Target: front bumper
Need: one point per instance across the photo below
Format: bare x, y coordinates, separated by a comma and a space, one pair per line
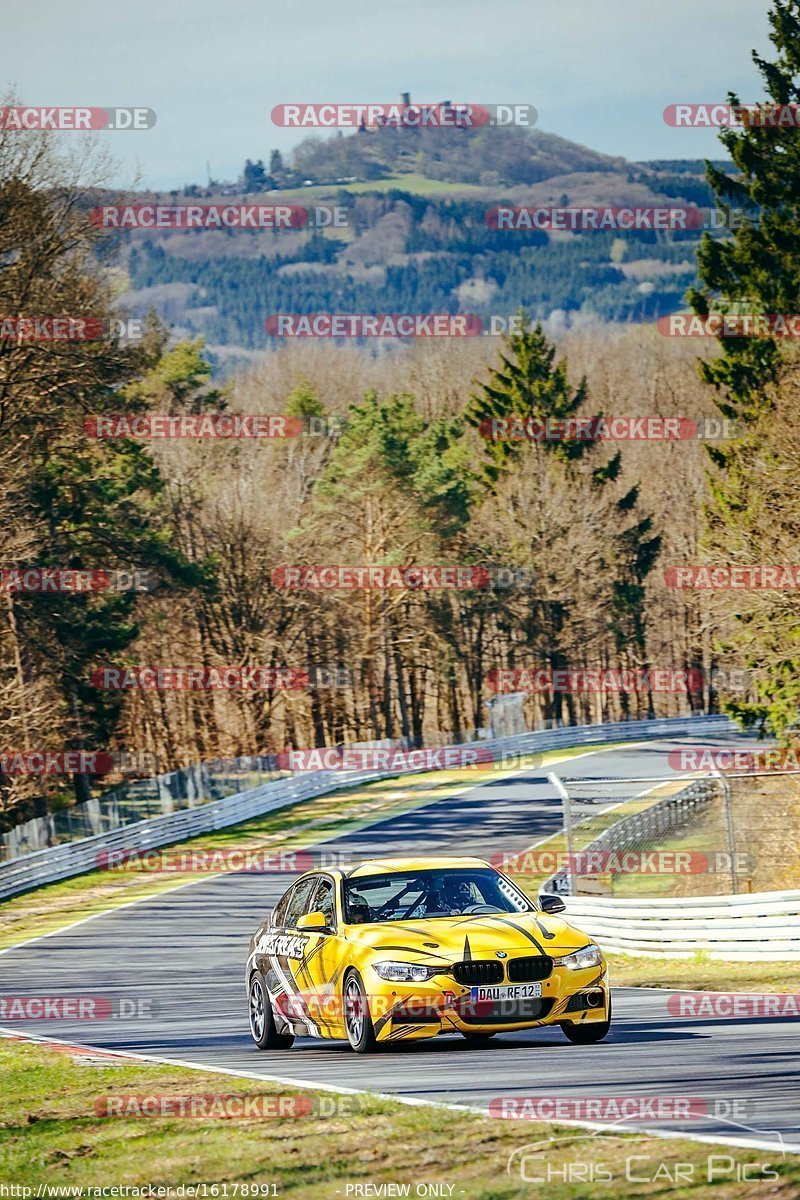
400, 1013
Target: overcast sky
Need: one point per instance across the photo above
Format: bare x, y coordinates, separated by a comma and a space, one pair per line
600, 72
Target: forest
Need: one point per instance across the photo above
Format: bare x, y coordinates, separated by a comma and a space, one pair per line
388, 466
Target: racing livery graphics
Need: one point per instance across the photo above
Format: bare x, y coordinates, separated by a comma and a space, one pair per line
281, 945
402, 949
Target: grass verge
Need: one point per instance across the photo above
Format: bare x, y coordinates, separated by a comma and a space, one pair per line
703, 974
52, 1133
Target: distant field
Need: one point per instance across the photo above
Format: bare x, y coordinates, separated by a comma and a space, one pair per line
418, 185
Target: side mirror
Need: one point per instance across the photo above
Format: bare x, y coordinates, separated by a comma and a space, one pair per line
313, 922
550, 903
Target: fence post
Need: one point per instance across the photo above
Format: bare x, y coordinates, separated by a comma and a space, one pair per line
566, 806
726, 792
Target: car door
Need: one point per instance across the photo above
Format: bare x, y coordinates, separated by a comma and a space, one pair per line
321, 965
283, 949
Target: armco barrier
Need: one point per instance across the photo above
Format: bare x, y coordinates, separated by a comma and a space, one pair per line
140, 800
761, 926
75, 858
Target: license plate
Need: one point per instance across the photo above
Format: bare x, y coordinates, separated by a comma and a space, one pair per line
517, 991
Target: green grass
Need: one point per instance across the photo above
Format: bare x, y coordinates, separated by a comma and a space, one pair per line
646, 887
700, 973
51, 1133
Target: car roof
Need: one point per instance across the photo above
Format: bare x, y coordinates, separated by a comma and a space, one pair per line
390, 866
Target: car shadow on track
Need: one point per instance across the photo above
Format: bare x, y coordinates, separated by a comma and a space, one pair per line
447, 1044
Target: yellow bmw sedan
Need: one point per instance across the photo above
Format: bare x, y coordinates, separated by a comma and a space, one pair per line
395, 950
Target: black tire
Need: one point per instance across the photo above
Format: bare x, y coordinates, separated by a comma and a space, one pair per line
357, 1019
477, 1039
587, 1035
262, 1022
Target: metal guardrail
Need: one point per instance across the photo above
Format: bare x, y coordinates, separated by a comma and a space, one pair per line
139, 800
760, 926
75, 858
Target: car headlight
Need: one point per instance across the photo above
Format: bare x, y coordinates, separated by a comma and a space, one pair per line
400, 972
589, 956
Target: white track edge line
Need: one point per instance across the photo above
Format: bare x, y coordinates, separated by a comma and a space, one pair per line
410, 1101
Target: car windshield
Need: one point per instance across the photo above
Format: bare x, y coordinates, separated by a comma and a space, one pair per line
416, 895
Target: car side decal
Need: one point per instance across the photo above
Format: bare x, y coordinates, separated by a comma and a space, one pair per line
287, 945
283, 971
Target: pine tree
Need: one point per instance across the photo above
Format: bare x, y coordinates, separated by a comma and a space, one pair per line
528, 383
758, 268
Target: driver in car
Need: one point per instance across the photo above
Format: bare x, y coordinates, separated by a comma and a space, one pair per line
458, 897
450, 898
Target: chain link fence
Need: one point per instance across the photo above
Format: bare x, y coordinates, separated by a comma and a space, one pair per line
140, 799
720, 834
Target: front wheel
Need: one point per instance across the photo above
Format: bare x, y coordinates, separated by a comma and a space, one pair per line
587, 1035
357, 1020
262, 1022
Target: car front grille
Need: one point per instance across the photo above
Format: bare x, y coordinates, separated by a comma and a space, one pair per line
476, 972
528, 970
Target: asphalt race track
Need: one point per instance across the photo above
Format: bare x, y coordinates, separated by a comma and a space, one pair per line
185, 952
